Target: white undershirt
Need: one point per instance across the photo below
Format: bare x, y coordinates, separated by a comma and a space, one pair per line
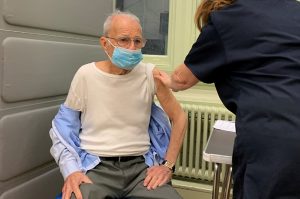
115, 109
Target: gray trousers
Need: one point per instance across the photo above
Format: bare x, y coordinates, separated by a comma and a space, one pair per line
117, 180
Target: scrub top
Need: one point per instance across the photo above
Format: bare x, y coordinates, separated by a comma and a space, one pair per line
250, 50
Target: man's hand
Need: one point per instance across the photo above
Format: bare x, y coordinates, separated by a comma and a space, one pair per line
157, 176
72, 185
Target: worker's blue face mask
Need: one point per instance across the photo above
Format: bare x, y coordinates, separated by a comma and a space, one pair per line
125, 58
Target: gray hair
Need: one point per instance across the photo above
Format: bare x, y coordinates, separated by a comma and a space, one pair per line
107, 23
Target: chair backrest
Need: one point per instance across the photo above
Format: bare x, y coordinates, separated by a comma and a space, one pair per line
43, 43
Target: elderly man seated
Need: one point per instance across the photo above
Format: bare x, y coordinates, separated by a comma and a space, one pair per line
109, 139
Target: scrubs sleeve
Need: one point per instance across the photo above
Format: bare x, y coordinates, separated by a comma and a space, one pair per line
207, 57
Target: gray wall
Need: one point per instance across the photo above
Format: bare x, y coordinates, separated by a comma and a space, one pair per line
43, 43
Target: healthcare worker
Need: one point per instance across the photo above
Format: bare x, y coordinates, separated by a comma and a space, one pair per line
250, 50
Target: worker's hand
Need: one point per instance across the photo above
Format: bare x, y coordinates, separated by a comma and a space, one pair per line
157, 176
163, 77
72, 185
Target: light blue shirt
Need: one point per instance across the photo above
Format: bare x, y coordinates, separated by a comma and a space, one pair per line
67, 153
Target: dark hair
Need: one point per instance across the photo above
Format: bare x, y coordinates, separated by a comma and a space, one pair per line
206, 7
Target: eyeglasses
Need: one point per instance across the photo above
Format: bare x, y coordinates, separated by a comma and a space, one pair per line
125, 42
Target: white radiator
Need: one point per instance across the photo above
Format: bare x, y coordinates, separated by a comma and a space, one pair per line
201, 119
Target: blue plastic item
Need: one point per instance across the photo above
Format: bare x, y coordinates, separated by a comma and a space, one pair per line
59, 196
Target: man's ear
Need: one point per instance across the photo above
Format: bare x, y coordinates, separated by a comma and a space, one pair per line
103, 42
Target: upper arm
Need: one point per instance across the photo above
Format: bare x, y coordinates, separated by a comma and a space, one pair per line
166, 99
77, 92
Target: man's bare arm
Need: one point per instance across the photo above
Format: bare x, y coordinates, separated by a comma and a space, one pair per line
160, 175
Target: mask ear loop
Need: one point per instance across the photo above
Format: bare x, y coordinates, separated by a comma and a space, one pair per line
106, 51
110, 42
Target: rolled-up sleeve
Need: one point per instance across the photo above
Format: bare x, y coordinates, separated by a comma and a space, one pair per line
63, 157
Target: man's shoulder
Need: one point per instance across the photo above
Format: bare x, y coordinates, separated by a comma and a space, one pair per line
86, 66
155, 71
149, 67
84, 69
146, 64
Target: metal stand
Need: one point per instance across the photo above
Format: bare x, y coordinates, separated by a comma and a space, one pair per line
227, 183
218, 150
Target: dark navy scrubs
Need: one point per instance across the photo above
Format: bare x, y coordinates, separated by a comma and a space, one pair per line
250, 50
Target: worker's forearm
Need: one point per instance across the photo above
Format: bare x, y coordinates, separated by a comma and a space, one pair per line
182, 78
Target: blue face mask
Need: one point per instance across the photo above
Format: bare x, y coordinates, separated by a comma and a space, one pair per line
125, 58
